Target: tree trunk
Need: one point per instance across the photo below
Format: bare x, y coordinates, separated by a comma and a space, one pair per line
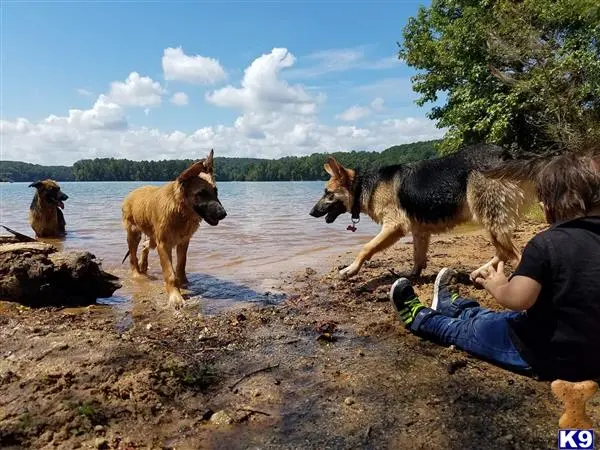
37, 274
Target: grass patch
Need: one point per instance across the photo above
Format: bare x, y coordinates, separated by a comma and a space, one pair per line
197, 376
26, 421
90, 410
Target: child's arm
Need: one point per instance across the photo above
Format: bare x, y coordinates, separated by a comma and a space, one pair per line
518, 294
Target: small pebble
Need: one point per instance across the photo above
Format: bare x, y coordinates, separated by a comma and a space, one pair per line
221, 418
149, 327
349, 401
98, 428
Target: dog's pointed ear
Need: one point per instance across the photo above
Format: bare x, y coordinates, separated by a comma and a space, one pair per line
328, 169
36, 184
340, 172
332, 167
208, 163
193, 171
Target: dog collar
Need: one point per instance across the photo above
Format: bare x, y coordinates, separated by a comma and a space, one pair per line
355, 211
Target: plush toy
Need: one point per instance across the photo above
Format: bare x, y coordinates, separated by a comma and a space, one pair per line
574, 397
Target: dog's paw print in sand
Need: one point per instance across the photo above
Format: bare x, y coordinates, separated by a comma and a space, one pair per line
574, 397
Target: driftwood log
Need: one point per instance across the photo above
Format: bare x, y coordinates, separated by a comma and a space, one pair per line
35, 273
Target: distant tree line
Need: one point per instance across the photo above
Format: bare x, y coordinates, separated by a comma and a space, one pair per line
20, 171
290, 168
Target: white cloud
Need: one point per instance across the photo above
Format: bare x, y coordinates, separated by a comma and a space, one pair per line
341, 59
179, 99
384, 63
354, 113
396, 90
377, 104
275, 119
263, 91
194, 69
357, 112
85, 92
136, 91
104, 115
103, 132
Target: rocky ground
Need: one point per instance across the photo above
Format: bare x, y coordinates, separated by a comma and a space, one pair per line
328, 368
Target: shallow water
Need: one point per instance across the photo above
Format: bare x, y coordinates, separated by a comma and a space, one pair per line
267, 232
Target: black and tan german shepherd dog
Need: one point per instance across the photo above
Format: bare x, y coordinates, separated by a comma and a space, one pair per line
45, 215
429, 197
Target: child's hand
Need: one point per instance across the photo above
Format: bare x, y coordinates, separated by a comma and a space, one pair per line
492, 278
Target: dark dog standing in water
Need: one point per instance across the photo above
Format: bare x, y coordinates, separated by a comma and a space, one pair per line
45, 215
428, 197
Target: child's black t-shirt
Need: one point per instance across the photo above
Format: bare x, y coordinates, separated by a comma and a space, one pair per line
560, 334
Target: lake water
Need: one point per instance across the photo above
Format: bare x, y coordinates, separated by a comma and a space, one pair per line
267, 232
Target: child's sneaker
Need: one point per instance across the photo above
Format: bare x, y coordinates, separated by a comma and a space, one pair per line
409, 308
448, 303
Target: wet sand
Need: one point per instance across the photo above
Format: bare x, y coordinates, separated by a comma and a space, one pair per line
326, 367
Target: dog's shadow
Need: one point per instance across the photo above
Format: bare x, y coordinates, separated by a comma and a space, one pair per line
212, 288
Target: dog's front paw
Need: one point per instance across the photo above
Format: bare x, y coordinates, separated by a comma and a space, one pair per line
479, 272
176, 300
349, 271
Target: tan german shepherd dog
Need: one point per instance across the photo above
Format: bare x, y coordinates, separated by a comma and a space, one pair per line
428, 197
45, 215
169, 215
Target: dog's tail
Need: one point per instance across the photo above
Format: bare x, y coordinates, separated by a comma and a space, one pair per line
125, 257
524, 167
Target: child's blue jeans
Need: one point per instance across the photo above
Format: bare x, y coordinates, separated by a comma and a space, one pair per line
478, 331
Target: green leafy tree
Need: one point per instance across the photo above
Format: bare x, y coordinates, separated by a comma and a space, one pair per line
521, 73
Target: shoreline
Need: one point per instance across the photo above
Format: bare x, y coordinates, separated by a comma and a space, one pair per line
329, 367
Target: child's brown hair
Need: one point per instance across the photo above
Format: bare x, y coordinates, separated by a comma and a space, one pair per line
569, 187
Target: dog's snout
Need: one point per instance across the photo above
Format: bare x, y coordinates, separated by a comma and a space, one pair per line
222, 214
63, 196
319, 210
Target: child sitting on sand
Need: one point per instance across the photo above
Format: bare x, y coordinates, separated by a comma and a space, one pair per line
553, 330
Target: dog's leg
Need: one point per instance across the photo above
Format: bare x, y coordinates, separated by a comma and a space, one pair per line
166, 261
388, 235
420, 247
506, 250
181, 260
144, 256
133, 240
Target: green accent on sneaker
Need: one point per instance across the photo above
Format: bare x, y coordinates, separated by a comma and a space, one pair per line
454, 297
410, 310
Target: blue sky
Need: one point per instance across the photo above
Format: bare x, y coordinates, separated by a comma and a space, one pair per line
340, 78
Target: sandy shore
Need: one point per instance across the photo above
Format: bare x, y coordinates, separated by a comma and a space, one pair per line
334, 369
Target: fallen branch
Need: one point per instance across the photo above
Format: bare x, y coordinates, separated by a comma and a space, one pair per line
18, 236
254, 411
248, 375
